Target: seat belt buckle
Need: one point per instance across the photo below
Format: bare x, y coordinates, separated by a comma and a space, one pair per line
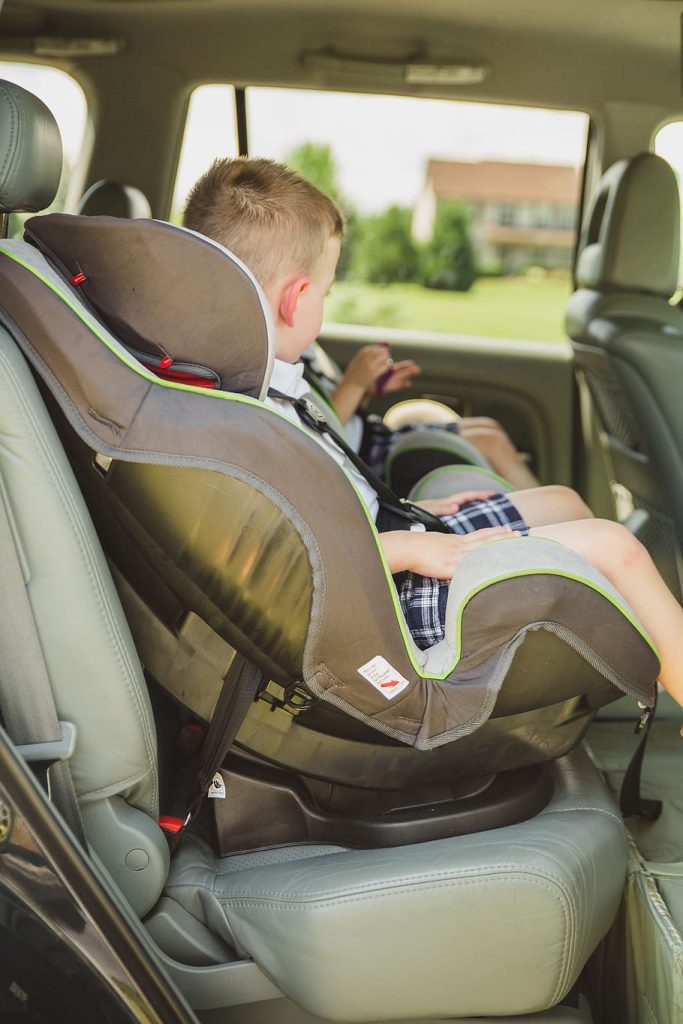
50, 752
170, 823
645, 716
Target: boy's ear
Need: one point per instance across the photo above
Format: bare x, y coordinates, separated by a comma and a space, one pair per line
289, 299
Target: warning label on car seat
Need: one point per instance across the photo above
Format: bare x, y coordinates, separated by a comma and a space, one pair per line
383, 677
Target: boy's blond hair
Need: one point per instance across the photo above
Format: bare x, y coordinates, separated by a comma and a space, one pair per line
274, 220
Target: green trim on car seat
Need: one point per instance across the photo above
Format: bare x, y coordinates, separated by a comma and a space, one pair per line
142, 371
434, 473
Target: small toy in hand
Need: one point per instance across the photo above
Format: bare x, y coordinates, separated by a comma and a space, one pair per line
384, 378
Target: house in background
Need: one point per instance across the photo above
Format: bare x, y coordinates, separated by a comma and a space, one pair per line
522, 214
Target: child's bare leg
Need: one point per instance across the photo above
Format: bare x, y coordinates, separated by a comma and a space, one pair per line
495, 445
627, 565
553, 503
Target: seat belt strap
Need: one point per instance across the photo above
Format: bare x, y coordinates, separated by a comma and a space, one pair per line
241, 686
26, 698
631, 802
312, 416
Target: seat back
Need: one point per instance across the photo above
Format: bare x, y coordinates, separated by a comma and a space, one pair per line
112, 199
91, 661
628, 346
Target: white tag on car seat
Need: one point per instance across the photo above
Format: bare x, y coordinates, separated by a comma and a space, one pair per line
383, 677
216, 788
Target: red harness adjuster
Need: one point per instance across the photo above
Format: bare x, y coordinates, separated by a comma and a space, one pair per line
169, 823
78, 278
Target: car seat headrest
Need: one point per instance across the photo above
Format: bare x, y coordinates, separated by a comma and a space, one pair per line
30, 152
633, 237
112, 199
189, 305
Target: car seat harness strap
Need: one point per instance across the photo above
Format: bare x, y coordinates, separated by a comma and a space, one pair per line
631, 801
241, 686
400, 512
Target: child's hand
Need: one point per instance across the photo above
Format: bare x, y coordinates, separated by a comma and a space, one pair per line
436, 554
401, 376
367, 365
453, 503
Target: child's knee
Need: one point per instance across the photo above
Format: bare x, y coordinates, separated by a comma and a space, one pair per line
616, 545
569, 502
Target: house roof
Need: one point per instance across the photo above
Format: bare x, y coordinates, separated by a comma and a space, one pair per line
500, 181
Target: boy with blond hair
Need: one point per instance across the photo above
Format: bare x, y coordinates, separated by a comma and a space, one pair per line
289, 234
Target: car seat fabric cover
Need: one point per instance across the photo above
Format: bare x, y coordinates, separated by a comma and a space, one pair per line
153, 429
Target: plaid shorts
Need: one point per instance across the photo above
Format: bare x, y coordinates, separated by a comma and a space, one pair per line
423, 598
377, 447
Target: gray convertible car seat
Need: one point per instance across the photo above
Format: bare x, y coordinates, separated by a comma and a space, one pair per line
628, 345
190, 486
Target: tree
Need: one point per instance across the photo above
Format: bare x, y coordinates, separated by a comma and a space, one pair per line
315, 161
384, 250
448, 261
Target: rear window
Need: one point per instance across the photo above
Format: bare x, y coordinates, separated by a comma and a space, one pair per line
462, 216
668, 143
210, 131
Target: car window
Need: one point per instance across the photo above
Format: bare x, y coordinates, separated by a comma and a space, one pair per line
668, 143
210, 132
461, 216
65, 98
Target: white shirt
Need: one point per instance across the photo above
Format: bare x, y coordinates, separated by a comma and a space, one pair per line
288, 378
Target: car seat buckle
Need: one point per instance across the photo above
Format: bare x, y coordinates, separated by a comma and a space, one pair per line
645, 716
294, 699
173, 824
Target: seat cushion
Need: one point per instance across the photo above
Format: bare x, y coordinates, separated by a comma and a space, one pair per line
500, 922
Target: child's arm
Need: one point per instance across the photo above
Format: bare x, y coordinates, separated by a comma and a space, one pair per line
361, 373
447, 506
435, 554
402, 374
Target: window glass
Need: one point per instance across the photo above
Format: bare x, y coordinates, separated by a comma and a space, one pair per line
210, 131
461, 216
669, 144
65, 98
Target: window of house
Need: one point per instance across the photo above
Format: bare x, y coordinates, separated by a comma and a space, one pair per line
65, 98
210, 132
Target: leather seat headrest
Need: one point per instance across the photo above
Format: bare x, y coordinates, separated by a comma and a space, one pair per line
112, 199
30, 152
633, 237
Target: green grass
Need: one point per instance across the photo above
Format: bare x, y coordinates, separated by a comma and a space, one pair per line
527, 308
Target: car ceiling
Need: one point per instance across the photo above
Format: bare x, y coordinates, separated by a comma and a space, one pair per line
580, 54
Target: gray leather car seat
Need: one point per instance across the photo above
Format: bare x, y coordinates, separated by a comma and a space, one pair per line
351, 934
628, 345
113, 199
